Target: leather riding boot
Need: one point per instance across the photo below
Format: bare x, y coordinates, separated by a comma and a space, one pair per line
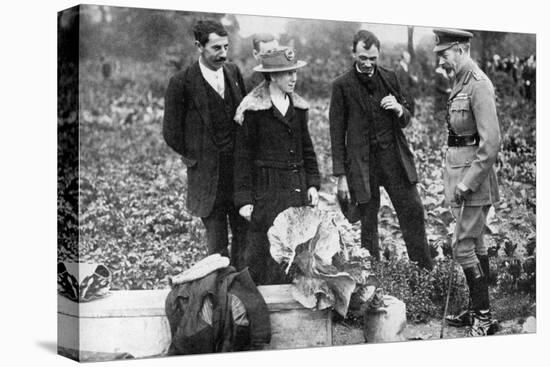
482, 324
477, 284
484, 262
463, 318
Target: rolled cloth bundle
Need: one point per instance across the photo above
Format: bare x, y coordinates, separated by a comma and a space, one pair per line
201, 269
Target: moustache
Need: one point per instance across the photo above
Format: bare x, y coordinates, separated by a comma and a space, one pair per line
221, 59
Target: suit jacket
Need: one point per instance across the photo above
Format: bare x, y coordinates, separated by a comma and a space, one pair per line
350, 134
188, 130
472, 109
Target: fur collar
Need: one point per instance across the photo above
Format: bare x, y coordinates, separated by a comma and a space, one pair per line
258, 99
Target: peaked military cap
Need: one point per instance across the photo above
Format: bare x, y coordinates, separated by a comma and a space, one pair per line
447, 38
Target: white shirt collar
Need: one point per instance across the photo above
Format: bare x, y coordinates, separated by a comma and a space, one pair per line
404, 65
214, 78
362, 72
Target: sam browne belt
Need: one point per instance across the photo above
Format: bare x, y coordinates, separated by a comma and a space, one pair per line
463, 140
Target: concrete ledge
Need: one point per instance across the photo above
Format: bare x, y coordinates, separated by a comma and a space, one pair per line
134, 322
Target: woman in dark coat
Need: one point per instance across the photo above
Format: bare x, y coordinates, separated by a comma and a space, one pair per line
275, 164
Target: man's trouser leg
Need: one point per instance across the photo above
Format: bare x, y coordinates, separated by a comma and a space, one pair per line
369, 224
216, 222
406, 202
470, 227
369, 211
216, 231
410, 212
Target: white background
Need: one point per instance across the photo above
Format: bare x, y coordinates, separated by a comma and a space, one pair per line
28, 178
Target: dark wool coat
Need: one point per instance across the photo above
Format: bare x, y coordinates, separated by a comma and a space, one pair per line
191, 334
188, 129
275, 163
349, 132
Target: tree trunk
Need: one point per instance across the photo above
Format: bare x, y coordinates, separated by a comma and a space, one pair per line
103, 11
410, 45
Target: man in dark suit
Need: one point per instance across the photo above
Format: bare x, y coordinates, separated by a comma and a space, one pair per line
369, 150
198, 124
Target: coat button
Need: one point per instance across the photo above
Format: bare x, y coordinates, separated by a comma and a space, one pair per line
291, 151
366, 158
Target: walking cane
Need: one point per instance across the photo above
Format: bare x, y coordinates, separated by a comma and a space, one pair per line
452, 270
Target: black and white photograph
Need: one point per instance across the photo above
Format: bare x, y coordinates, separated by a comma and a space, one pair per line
231, 182
272, 183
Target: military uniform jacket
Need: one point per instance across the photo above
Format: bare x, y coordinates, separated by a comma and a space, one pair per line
349, 134
188, 129
471, 110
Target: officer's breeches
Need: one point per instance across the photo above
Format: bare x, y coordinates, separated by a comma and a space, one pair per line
470, 234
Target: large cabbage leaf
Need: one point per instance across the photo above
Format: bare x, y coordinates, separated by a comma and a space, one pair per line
327, 276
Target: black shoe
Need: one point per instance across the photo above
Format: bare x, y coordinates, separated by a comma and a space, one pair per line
483, 324
465, 318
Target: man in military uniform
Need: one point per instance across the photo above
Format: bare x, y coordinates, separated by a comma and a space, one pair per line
470, 179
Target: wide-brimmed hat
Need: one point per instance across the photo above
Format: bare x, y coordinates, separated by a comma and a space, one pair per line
447, 38
279, 59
